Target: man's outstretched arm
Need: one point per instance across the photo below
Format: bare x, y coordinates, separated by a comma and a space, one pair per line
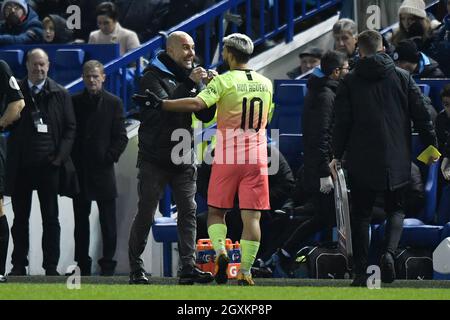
150, 100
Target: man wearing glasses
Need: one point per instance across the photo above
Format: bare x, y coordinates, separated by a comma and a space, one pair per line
21, 24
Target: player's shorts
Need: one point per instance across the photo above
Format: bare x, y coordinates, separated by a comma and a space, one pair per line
246, 180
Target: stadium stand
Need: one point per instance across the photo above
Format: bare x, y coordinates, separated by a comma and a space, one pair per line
289, 99
65, 60
68, 63
15, 59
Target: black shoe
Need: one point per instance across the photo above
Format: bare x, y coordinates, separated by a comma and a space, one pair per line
138, 277
3, 279
387, 267
18, 271
52, 272
360, 280
193, 275
85, 267
221, 267
107, 267
106, 272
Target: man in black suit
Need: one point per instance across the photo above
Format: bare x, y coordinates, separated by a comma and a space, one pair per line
38, 158
100, 140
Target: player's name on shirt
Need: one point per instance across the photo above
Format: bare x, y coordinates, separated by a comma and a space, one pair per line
252, 87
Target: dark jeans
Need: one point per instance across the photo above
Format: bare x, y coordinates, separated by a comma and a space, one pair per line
151, 182
363, 200
107, 216
324, 217
45, 180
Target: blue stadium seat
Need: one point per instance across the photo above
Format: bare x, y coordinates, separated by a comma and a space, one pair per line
289, 99
291, 147
415, 234
164, 230
15, 60
68, 65
445, 231
425, 88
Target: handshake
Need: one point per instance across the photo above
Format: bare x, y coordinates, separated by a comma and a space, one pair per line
148, 100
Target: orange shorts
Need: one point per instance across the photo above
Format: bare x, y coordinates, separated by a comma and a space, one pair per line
246, 180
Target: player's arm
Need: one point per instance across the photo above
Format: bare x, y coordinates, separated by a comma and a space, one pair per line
151, 100
184, 105
12, 113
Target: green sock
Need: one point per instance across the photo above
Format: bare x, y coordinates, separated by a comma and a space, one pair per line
249, 249
217, 233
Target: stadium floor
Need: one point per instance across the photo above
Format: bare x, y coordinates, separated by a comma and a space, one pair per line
117, 288
117, 280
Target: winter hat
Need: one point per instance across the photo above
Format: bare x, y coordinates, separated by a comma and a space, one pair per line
414, 7
312, 52
22, 3
407, 51
240, 42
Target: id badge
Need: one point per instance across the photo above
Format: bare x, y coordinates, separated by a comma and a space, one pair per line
42, 128
39, 124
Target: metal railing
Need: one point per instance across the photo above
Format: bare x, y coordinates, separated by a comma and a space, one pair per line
276, 19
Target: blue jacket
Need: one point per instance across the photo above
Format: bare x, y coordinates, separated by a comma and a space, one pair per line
28, 32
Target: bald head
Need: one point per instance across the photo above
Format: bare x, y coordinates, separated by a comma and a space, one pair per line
37, 65
181, 48
37, 52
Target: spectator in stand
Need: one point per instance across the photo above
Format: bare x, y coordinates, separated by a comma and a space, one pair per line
408, 57
21, 24
413, 22
59, 7
145, 17
56, 31
110, 30
444, 31
440, 49
345, 33
45, 7
309, 59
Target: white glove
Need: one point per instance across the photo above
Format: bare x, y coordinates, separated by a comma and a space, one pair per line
445, 169
326, 185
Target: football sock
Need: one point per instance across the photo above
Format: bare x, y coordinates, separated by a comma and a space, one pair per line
249, 249
217, 233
